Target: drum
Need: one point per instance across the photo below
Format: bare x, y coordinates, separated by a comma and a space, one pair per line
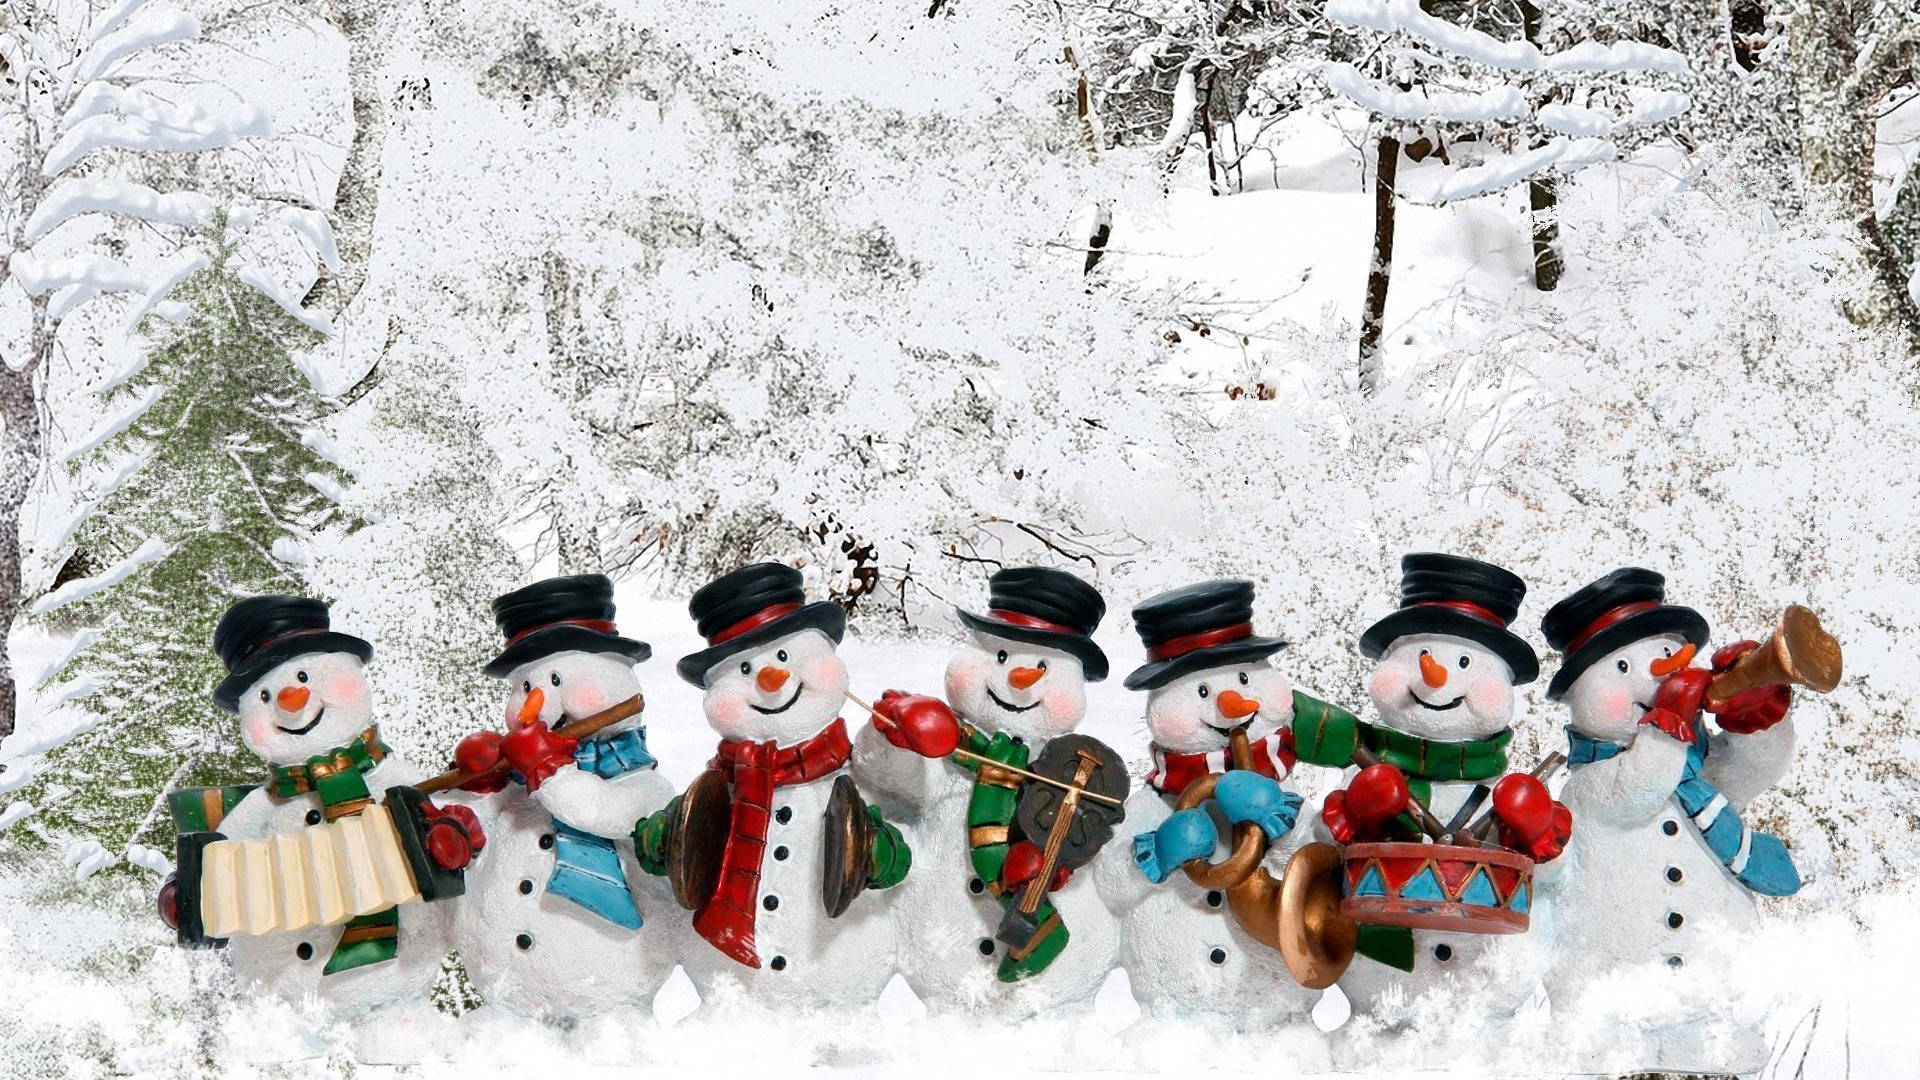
1457, 887
316, 875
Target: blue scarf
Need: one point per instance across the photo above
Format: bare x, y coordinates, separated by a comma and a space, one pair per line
586, 867
1756, 860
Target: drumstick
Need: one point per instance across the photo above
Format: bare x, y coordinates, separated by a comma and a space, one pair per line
1428, 823
577, 729
1479, 830
881, 721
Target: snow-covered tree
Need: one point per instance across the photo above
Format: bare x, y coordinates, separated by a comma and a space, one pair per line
205, 487
89, 95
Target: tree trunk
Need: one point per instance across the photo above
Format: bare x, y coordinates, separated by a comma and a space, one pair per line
1373, 313
21, 452
1543, 192
1098, 236
356, 200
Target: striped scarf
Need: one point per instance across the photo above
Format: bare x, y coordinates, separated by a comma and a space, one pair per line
586, 867
1756, 860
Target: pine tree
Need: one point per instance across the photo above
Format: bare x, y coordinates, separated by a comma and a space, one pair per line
210, 494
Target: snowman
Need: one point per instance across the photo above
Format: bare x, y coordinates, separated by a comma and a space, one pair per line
1208, 677
1661, 893
305, 708
1019, 681
774, 687
1443, 685
552, 925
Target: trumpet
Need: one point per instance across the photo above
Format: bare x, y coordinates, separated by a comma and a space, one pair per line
1800, 653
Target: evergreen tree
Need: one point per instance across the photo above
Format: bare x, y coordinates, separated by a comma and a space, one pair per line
210, 494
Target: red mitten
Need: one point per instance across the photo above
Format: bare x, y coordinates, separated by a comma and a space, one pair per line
924, 725
1523, 805
477, 755
535, 752
1377, 794
1753, 710
1023, 864
1333, 811
1676, 704
1548, 845
454, 835
1669, 722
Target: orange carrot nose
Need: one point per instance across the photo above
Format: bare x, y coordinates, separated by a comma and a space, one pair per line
293, 698
772, 678
530, 708
1233, 706
1662, 666
1432, 672
1022, 677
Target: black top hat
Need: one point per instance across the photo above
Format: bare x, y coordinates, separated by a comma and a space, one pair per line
561, 614
261, 631
1457, 597
1201, 626
1627, 605
1043, 606
752, 606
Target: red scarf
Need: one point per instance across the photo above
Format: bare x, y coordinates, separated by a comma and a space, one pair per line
753, 770
1273, 757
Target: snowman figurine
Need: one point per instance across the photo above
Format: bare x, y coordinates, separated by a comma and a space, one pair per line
1661, 893
1019, 681
552, 923
1208, 677
755, 830
1443, 685
305, 707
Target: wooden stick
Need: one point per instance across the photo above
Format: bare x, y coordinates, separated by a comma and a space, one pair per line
971, 756
578, 729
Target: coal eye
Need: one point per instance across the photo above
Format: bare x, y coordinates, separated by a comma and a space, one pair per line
781, 656
1426, 652
1204, 691
1666, 650
1623, 665
301, 675
1002, 658
1243, 679
554, 678
1042, 665
1464, 660
264, 696
746, 668
526, 686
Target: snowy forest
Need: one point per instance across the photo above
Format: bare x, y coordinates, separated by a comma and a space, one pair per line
404, 304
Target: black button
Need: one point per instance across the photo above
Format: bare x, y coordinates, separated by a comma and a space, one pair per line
783, 815
304, 951
546, 841
1669, 827
1443, 952
1674, 961
976, 886
780, 853
525, 941
778, 963
770, 903
526, 886
1214, 898
313, 817
1218, 956
1018, 741
1674, 919
986, 946
1673, 873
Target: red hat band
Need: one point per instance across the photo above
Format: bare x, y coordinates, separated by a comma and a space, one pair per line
752, 622
1608, 618
1205, 639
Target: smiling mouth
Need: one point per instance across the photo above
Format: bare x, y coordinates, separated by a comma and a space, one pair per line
998, 700
1231, 728
1425, 704
797, 687
311, 724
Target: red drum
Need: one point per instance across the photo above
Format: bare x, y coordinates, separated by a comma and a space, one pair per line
1469, 890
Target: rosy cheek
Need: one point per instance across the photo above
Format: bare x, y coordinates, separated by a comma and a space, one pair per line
257, 729
346, 690
1615, 704
1489, 698
1063, 706
822, 672
963, 683
587, 701
727, 713
1387, 684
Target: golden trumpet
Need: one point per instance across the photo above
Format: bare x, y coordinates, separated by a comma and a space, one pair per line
1800, 653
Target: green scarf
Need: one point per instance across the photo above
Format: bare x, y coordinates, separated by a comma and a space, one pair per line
337, 776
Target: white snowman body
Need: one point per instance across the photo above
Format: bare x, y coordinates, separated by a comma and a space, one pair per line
1645, 902
534, 951
1185, 954
1449, 689
786, 691
299, 709
947, 916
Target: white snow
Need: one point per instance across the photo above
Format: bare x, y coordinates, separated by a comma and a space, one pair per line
284, 297
1576, 120
105, 116
312, 226
64, 653
1619, 56
172, 273
112, 426
1406, 16
87, 858
1496, 103
1450, 184
152, 27
322, 444
291, 552
149, 859
39, 275
135, 364
1655, 106
152, 550
327, 485
14, 812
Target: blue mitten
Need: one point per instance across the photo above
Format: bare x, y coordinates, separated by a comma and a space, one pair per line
1244, 795
1186, 835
